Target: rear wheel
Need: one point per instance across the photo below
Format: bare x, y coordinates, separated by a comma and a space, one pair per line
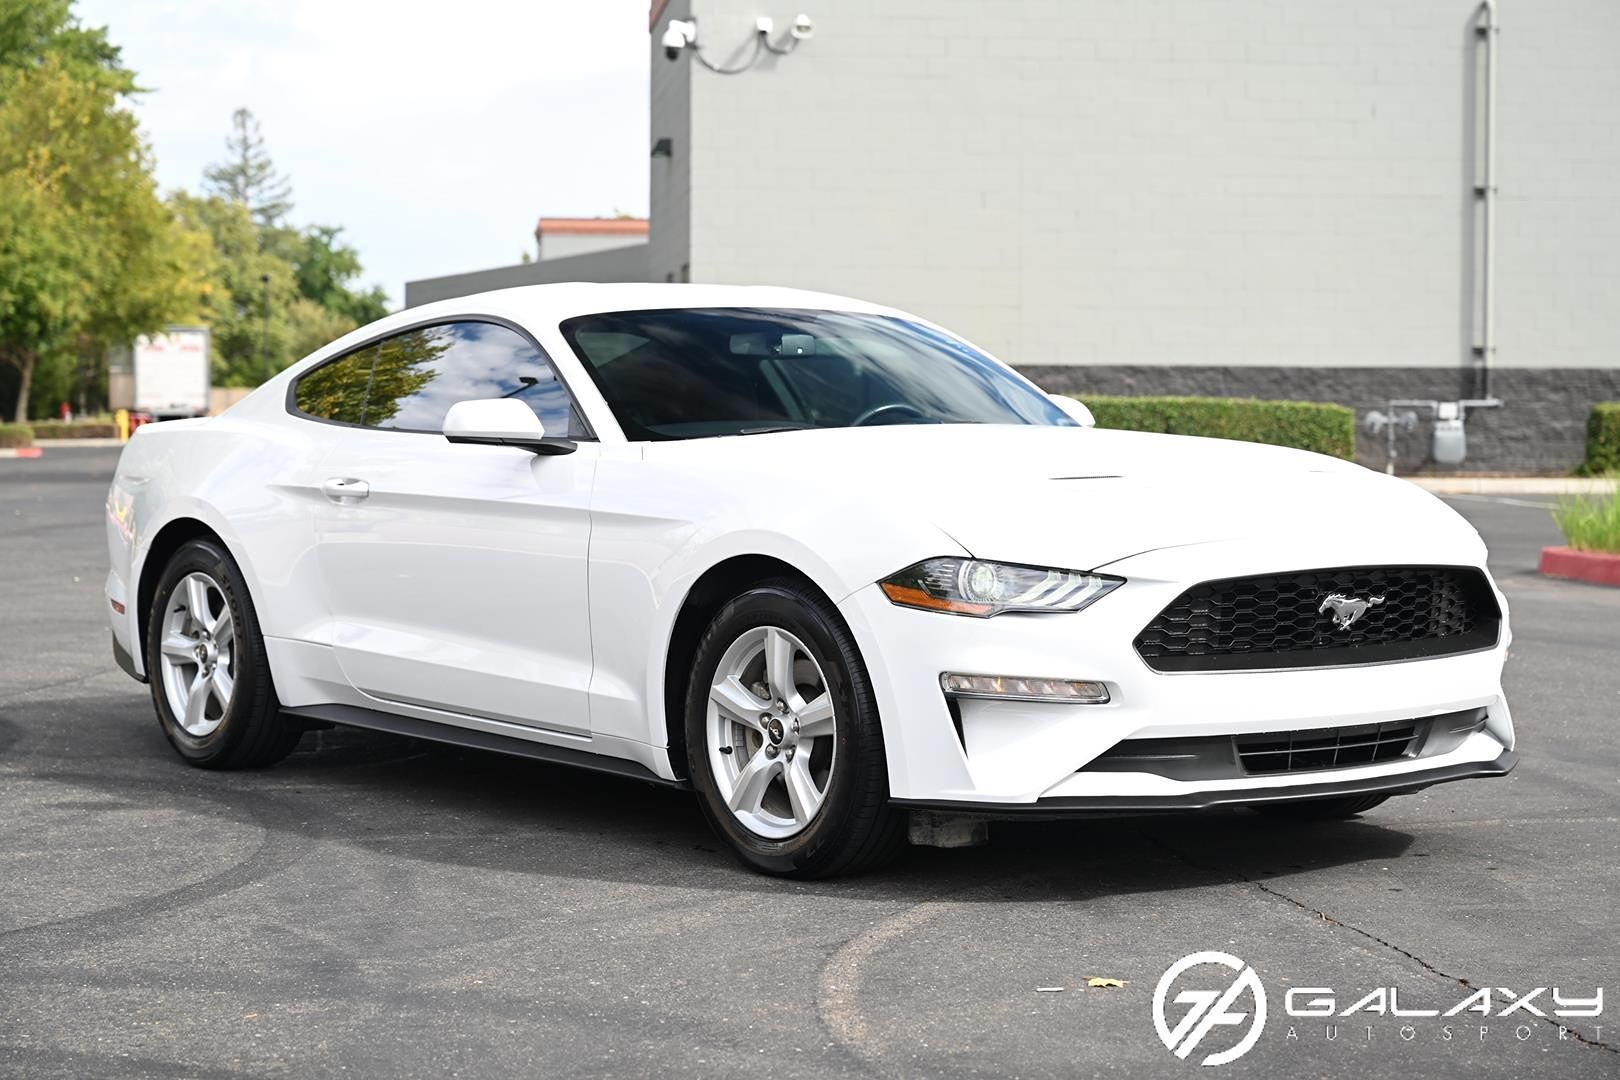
206, 662
783, 739
1321, 809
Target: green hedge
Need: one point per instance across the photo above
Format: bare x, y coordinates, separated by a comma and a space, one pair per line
1306, 425
12, 435
75, 429
1603, 439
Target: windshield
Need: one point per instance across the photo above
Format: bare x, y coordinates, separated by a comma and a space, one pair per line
685, 374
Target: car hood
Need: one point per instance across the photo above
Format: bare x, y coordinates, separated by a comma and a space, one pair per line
1086, 497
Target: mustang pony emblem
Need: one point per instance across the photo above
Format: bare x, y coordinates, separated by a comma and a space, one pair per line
1347, 609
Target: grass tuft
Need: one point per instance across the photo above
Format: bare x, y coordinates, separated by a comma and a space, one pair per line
1591, 524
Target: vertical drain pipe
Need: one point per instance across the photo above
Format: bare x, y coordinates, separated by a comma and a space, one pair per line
1486, 27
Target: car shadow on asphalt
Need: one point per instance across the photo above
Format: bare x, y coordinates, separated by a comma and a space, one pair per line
414, 800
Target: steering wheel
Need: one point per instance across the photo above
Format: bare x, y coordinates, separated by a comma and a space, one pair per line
893, 406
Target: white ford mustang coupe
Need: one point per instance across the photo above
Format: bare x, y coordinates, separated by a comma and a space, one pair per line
824, 562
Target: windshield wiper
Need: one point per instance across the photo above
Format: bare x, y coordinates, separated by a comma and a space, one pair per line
775, 428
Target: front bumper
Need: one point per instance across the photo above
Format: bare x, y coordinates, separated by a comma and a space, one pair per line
1062, 807
1008, 757
125, 661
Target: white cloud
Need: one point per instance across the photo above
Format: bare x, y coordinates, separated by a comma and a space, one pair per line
435, 133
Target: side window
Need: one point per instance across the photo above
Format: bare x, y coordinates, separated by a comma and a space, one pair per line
336, 391
410, 380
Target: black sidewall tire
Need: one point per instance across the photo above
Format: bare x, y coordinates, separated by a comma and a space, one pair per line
254, 713
855, 827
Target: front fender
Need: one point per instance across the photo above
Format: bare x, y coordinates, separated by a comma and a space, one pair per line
649, 549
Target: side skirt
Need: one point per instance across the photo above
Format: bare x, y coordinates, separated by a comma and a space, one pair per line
376, 720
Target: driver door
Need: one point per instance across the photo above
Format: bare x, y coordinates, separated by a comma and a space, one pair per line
455, 573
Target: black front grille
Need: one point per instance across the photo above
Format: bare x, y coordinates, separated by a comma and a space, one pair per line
1278, 620
1324, 748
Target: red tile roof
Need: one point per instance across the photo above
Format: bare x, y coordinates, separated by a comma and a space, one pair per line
574, 226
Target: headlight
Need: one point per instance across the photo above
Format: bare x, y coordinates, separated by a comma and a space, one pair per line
975, 587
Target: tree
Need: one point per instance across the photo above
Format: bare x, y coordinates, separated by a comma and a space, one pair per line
42, 297
31, 30
247, 315
89, 255
259, 325
325, 267
247, 175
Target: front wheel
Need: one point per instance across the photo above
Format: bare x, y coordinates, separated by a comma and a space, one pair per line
783, 739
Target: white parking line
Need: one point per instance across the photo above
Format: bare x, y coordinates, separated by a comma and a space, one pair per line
1504, 500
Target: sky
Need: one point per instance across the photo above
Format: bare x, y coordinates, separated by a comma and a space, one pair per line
435, 133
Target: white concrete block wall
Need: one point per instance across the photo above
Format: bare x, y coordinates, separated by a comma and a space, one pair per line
564, 245
1183, 182
1559, 269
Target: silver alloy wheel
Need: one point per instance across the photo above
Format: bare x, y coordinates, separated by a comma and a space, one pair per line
771, 732
197, 654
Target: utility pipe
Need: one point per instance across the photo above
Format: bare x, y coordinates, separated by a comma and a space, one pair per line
1487, 28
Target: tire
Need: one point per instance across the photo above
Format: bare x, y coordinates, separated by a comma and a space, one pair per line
839, 754
239, 723
1346, 806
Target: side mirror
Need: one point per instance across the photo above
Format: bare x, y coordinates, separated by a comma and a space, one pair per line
501, 422
1074, 409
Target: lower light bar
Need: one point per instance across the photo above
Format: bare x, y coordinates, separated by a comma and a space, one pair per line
1011, 688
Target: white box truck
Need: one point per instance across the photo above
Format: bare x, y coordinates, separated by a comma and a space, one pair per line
172, 373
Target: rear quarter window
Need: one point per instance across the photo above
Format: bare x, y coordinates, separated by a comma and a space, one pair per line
336, 391
408, 381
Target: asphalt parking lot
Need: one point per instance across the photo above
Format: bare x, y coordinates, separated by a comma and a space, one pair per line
379, 907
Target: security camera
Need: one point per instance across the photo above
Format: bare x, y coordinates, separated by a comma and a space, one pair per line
803, 27
679, 34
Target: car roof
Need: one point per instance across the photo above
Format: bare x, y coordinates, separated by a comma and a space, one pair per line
564, 300
539, 305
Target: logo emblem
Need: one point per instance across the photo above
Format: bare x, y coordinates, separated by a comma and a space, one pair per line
1347, 610
1211, 999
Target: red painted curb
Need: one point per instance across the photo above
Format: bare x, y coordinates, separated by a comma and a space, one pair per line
1596, 567
23, 451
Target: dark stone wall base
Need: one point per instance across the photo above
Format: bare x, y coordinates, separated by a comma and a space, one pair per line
1541, 426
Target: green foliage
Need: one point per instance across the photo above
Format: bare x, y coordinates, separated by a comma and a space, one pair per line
247, 176
1603, 439
42, 298
74, 429
1325, 429
249, 297
259, 306
1591, 524
14, 435
399, 367
325, 267
89, 256
278, 293
33, 30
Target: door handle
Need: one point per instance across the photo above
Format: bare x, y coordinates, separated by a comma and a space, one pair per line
341, 489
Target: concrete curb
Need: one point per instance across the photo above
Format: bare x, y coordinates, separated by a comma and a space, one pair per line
20, 452
1594, 567
59, 444
1515, 485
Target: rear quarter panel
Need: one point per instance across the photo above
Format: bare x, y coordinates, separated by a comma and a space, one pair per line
249, 482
